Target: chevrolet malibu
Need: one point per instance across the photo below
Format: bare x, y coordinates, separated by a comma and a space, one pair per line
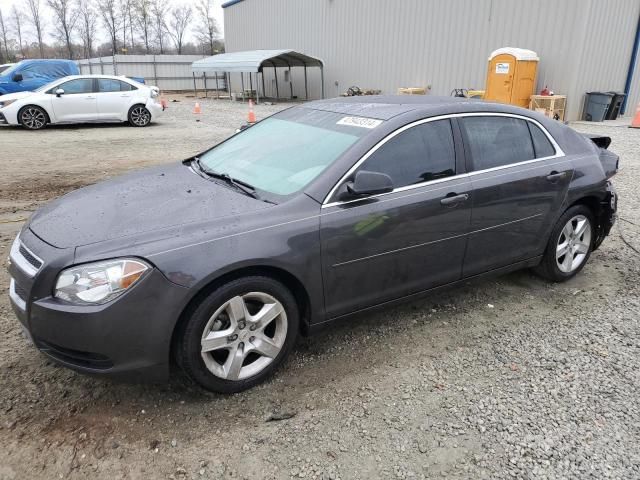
312, 215
82, 99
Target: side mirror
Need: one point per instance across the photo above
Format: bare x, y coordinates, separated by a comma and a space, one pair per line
368, 183
17, 77
59, 92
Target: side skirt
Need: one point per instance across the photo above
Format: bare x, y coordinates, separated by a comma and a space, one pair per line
532, 262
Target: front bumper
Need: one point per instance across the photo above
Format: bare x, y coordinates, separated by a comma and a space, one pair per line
128, 338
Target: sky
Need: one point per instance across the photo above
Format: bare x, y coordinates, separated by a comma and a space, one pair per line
7, 5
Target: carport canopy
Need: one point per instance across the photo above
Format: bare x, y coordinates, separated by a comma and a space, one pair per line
253, 61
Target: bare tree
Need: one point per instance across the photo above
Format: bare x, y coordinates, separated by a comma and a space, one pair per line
3, 34
131, 13
159, 11
18, 18
125, 19
88, 26
34, 10
65, 22
144, 22
207, 29
180, 19
111, 19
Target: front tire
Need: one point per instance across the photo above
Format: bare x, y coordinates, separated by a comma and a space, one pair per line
237, 336
139, 116
32, 117
570, 245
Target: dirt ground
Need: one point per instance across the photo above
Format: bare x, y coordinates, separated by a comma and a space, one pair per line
506, 378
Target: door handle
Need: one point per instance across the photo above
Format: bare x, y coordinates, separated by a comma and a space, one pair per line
453, 199
555, 176
125, 96
90, 98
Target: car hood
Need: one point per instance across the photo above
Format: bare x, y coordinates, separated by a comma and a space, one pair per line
149, 200
15, 96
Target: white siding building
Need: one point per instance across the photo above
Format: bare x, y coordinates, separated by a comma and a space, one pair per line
583, 45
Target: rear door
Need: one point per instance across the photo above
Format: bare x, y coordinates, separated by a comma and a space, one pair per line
78, 103
519, 177
391, 245
114, 98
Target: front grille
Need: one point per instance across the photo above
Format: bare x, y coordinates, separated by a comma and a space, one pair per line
74, 357
21, 292
29, 257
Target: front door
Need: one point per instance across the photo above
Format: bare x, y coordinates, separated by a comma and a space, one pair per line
519, 179
388, 246
78, 102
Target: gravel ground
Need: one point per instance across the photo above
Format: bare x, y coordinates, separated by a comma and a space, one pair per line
506, 378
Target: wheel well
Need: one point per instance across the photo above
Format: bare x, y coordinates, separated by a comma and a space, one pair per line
602, 227
37, 106
284, 277
136, 105
592, 203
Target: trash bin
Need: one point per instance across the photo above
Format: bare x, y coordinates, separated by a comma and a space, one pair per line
596, 106
616, 104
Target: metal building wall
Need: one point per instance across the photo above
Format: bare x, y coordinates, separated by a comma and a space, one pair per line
583, 44
168, 72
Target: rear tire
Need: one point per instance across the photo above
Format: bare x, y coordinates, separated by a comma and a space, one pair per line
570, 245
239, 335
139, 116
32, 117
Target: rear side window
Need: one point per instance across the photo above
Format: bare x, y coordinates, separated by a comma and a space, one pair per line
541, 143
80, 85
421, 153
497, 141
106, 85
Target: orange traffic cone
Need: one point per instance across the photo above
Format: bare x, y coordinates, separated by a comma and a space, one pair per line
251, 118
635, 123
197, 111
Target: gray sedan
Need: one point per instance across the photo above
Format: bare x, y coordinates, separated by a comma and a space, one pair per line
312, 215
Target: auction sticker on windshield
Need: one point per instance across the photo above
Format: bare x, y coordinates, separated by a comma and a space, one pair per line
359, 122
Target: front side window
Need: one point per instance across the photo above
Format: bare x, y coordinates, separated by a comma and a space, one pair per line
496, 141
284, 153
421, 153
80, 85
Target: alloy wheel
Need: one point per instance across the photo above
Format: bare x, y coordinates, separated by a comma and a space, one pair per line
140, 116
244, 336
33, 118
573, 244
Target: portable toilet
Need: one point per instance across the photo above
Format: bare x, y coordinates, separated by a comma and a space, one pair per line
511, 77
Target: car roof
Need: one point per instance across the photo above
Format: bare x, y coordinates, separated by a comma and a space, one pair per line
385, 107
98, 75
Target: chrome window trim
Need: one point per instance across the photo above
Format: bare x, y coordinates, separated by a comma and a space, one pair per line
21, 304
19, 261
558, 150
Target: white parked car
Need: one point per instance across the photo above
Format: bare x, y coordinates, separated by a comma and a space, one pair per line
81, 99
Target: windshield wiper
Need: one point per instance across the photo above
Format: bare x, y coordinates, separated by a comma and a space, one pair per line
244, 187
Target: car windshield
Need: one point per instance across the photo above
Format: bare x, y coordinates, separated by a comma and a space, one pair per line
8, 70
47, 86
284, 153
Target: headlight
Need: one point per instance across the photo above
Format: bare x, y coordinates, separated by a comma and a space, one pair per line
6, 103
97, 283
